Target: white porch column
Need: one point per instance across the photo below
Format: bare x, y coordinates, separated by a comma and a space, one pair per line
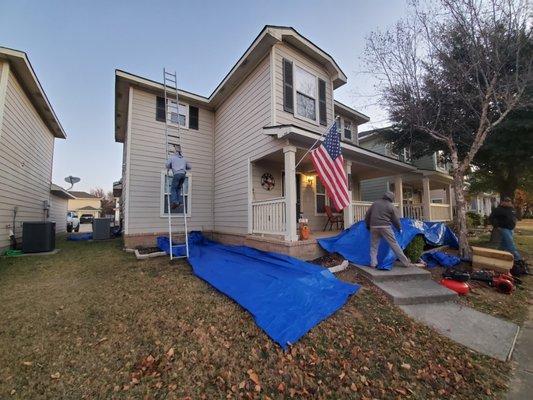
348, 211
426, 198
289, 153
398, 193
449, 200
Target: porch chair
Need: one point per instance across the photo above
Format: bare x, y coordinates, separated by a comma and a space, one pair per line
333, 219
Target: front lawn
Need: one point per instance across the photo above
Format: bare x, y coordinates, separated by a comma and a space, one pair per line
93, 322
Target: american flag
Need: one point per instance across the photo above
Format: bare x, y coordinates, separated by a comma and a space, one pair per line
329, 164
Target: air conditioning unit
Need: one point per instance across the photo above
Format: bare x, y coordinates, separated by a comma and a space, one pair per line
101, 228
38, 237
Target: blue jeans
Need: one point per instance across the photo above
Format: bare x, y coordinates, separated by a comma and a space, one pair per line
507, 243
175, 188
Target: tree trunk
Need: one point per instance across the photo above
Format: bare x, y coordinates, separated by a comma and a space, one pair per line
460, 204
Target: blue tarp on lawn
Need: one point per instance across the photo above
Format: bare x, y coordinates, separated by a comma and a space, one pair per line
354, 243
286, 296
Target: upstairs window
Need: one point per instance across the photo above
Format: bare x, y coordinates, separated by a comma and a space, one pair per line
348, 130
306, 94
174, 117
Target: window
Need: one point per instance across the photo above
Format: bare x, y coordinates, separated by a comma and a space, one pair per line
338, 121
441, 160
173, 116
320, 197
165, 191
347, 130
306, 93
405, 155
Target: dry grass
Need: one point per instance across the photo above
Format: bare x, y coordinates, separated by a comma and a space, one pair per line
513, 307
93, 322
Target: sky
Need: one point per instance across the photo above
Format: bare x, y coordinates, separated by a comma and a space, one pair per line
75, 47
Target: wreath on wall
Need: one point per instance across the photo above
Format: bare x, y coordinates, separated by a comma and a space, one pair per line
267, 181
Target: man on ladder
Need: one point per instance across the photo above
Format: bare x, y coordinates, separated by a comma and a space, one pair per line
179, 166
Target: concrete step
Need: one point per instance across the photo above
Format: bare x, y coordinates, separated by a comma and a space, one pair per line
415, 291
483, 333
397, 273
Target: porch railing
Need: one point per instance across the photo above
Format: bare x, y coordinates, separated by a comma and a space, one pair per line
359, 209
440, 212
269, 216
414, 211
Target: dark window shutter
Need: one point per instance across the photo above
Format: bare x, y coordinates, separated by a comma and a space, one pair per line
288, 95
160, 109
322, 102
193, 117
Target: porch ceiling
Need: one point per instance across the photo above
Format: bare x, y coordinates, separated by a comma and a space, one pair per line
366, 164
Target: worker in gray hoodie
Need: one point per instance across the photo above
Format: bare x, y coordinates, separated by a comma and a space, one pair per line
179, 166
379, 218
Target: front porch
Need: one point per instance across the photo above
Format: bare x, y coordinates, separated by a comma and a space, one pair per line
277, 203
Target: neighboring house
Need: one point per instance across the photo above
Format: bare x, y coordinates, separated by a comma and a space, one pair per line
59, 207
244, 142
483, 203
28, 128
426, 193
85, 203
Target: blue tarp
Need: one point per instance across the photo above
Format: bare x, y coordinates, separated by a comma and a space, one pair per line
177, 249
78, 237
436, 258
286, 296
354, 243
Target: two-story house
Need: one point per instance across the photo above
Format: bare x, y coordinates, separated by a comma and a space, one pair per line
426, 193
28, 129
248, 183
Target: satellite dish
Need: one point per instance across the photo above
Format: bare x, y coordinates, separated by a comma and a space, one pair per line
72, 180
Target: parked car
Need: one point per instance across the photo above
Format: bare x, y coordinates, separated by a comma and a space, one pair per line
73, 222
86, 218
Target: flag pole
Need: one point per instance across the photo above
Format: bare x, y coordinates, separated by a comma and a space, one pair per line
313, 145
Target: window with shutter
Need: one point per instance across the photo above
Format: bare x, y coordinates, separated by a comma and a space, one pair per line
160, 109
193, 117
322, 102
288, 95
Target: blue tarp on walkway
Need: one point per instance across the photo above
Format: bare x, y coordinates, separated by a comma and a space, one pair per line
286, 296
354, 243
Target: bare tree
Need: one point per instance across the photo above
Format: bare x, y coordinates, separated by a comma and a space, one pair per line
453, 71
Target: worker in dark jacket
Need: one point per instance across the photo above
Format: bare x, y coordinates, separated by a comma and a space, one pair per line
504, 218
379, 218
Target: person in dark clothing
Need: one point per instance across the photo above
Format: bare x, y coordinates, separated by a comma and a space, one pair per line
504, 218
379, 218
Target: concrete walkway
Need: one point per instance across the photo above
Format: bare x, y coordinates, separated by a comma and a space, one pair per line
521, 385
432, 304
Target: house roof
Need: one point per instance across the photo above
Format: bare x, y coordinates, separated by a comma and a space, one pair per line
343, 109
58, 191
83, 195
88, 208
268, 36
371, 133
20, 65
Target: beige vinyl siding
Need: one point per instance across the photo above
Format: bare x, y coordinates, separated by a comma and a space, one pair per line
58, 213
259, 192
26, 153
238, 136
281, 51
147, 158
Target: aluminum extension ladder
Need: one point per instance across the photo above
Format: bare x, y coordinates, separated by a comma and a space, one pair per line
170, 84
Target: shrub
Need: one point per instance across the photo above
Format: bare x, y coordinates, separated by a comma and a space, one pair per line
414, 250
473, 219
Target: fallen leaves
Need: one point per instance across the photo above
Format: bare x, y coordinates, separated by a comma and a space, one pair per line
253, 376
55, 375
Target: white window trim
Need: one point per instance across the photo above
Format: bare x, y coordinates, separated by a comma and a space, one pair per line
186, 106
327, 202
351, 130
295, 95
162, 196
